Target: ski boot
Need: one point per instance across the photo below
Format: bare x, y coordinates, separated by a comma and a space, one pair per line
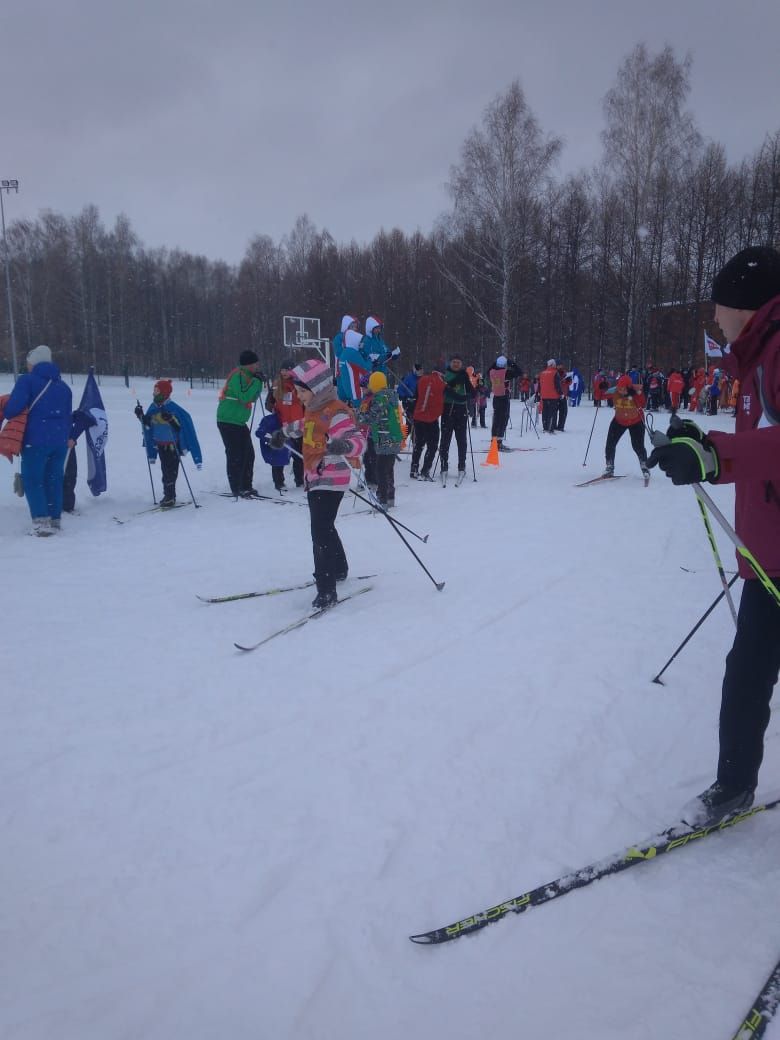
609, 470
168, 502
645, 474
460, 477
715, 804
323, 600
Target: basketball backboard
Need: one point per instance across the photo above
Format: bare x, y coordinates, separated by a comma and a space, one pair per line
299, 332
304, 333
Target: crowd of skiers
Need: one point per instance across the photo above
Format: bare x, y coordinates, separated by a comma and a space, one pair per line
332, 428
703, 390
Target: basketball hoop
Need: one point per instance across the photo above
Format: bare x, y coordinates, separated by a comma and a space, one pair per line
304, 334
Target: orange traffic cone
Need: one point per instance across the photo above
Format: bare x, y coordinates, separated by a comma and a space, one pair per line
492, 455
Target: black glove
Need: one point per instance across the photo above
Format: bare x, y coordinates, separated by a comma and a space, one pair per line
603, 385
685, 453
338, 446
631, 391
276, 440
169, 417
139, 414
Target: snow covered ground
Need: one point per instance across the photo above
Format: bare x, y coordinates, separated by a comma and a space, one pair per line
198, 843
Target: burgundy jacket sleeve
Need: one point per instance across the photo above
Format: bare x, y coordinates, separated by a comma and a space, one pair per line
752, 455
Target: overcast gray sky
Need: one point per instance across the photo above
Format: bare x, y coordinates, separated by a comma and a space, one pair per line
210, 122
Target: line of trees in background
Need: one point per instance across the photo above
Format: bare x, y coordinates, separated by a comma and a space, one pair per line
524, 264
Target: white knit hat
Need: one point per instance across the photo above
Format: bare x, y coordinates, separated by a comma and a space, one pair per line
551, 363
500, 361
37, 354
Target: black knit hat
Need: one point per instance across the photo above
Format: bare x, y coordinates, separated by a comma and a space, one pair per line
248, 357
749, 280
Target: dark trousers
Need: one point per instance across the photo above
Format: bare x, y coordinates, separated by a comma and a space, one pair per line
752, 668
69, 482
426, 438
277, 472
330, 561
549, 413
369, 461
454, 421
563, 411
616, 431
500, 416
169, 465
385, 490
482, 408
240, 456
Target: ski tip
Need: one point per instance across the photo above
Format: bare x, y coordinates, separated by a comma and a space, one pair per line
421, 940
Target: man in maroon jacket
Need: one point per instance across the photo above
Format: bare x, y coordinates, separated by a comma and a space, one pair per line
746, 293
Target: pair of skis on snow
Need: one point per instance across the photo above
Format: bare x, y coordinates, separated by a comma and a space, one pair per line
767, 1000
605, 476
293, 625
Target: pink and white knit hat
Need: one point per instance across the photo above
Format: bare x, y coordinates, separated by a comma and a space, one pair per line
313, 374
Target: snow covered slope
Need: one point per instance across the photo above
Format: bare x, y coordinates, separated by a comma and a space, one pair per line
203, 844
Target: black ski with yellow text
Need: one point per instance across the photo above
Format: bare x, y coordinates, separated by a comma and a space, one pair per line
667, 841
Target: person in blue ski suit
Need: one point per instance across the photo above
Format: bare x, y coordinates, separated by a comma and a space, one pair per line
45, 443
276, 458
354, 368
170, 433
374, 348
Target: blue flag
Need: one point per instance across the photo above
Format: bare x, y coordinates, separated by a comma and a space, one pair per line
96, 436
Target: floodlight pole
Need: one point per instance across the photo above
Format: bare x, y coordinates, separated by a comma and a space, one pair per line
9, 186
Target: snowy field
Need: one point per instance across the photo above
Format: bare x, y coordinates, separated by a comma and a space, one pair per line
204, 844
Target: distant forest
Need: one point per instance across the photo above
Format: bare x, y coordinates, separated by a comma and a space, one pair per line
523, 263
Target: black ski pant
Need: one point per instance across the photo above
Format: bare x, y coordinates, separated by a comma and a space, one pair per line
169, 465
549, 413
330, 561
369, 461
240, 456
69, 482
277, 472
637, 434
454, 420
426, 438
563, 411
385, 482
752, 668
500, 416
482, 416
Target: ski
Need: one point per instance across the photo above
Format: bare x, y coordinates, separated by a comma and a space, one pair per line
262, 498
596, 480
151, 509
666, 841
763, 1010
694, 570
269, 592
303, 620
484, 451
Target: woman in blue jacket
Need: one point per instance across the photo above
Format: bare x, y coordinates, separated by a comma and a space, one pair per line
50, 403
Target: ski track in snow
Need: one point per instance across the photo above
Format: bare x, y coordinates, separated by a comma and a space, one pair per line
204, 844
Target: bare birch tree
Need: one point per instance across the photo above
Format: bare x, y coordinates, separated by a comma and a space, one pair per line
496, 190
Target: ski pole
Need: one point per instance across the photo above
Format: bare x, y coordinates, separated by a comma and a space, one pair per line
378, 508
184, 471
739, 545
695, 628
148, 460
593, 427
716, 554
439, 584
531, 423
471, 450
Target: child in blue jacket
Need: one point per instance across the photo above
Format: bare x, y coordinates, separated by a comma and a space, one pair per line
170, 433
